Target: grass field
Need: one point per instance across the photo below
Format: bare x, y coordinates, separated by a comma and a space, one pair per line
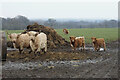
109, 34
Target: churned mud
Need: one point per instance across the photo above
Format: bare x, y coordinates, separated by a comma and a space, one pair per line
63, 63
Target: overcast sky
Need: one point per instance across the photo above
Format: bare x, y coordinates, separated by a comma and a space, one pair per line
77, 9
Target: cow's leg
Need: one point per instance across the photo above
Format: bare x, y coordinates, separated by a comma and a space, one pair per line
32, 46
95, 48
83, 46
30, 51
81, 49
104, 45
72, 48
45, 47
98, 48
20, 50
75, 47
38, 49
14, 45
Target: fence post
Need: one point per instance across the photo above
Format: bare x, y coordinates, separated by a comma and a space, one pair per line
3, 46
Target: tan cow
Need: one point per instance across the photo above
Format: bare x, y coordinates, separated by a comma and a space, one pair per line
98, 43
23, 40
65, 31
39, 42
77, 42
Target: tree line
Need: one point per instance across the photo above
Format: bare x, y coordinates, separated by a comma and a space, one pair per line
21, 22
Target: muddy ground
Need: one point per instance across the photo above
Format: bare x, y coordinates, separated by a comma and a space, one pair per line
63, 63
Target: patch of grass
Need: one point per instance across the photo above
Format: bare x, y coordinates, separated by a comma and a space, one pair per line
12, 31
109, 34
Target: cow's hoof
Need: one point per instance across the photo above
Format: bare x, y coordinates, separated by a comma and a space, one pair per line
38, 53
30, 52
45, 52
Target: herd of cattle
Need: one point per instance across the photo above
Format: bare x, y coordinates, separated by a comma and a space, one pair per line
37, 41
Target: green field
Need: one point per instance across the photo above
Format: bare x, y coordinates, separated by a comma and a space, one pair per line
109, 34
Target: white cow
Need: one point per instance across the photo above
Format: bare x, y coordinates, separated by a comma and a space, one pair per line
39, 42
13, 37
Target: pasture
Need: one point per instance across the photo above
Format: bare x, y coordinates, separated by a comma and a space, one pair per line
109, 34
63, 62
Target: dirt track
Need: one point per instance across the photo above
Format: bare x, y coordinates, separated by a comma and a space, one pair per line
65, 64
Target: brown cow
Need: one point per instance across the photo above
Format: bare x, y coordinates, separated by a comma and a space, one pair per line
65, 31
98, 43
77, 42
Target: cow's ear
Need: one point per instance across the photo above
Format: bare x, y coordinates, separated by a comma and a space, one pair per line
36, 34
18, 36
74, 37
70, 37
95, 38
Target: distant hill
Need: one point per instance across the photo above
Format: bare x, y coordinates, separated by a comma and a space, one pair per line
20, 22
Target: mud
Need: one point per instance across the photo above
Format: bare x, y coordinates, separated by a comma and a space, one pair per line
63, 63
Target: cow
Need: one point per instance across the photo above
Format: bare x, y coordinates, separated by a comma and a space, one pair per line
77, 42
13, 37
65, 31
23, 40
39, 42
98, 43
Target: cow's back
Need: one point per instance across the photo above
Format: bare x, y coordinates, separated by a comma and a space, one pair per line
41, 39
23, 40
100, 41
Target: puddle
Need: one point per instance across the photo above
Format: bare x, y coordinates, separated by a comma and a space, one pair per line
91, 48
86, 48
11, 49
32, 65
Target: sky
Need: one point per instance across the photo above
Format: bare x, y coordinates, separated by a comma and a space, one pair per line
74, 9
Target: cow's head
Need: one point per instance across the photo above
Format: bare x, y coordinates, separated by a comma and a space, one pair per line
93, 39
72, 38
12, 37
32, 35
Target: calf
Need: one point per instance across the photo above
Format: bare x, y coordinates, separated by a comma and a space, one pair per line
77, 42
98, 43
65, 31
